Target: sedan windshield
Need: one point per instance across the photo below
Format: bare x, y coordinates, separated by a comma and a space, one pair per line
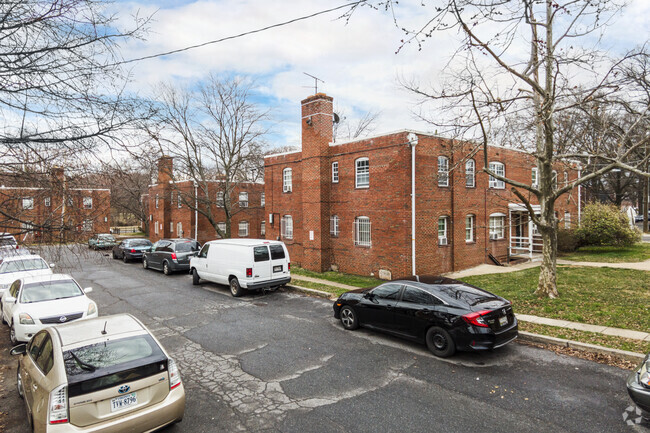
49, 290
22, 265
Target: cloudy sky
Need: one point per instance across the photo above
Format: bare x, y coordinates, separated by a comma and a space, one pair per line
357, 60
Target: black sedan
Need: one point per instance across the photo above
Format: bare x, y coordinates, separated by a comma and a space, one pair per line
131, 249
638, 386
446, 314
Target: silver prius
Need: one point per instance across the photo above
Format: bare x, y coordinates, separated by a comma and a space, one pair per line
107, 374
638, 386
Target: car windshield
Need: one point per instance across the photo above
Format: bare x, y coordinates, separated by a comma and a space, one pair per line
7, 242
139, 243
187, 247
49, 290
23, 265
468, 294
106, 237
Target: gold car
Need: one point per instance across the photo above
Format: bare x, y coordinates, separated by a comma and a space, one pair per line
107, 374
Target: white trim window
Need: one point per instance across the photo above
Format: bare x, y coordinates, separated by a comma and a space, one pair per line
87, 226
362, 173
180, 200
88, 202
567, 219
470, 173
171, 227
534, 176
497, 226
554, 180
334, 226
155, 228
48, 201
243, 229
499, 169
179, 229
566, 178
262, 199
362, 231
286, 227
156, 203
469, 228
243, 199
442, 230
287, 180
220, 200
263, 228
28, 203
335, 172
443, 171
221, 226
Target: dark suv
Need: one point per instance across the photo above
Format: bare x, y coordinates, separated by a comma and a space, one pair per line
171, 255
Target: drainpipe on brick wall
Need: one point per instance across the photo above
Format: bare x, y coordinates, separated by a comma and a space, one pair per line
196, 212
413, 141
579, 198
453, 210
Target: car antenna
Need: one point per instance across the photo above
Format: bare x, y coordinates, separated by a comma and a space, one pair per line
104, 330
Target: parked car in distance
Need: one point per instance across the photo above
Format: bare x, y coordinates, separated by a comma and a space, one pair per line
638, 386
108, 374
170, 255
14, 267
447, 315
102, 240
7, 241
243, 264
131, 249
32, 303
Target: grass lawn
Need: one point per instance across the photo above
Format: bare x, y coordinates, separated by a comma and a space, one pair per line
600, 296
337, 277
636, 253
322, 287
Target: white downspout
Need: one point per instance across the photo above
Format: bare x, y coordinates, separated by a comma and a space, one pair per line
413, 141
196, 212
579, 199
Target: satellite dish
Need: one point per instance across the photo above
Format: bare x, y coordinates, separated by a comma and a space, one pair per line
336, 118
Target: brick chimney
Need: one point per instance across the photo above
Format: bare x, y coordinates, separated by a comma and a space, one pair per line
317, 125
165, 169
58, 176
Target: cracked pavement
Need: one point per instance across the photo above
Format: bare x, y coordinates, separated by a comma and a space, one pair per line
281, 363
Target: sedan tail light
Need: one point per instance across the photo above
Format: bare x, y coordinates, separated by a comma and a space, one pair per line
58, 412
476, 318
173, 256
174, 375
249, 272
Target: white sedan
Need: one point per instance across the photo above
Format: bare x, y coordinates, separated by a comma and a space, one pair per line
13, 267
33, 303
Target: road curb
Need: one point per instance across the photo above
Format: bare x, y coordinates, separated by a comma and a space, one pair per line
584, 347
312, 292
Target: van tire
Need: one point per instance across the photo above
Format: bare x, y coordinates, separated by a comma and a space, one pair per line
196, 280
235, 289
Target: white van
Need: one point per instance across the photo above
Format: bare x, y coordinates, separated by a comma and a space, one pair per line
243, 264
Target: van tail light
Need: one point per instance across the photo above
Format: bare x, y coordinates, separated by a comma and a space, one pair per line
173, 256
174, 375
288, 266
58, 413
249, 272
133, 250
476, 318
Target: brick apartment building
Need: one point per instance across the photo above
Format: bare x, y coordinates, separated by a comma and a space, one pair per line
347, 206
51, 209
170, 215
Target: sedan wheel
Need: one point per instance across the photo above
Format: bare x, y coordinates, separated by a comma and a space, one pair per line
235, 288
125, 259
12, 335
145, 264
4, 322
19, 383
166, 269
440, 342
114, 255
349, 318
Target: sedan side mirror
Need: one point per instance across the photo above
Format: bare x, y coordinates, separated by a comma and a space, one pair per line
88, 289
52, 265
20, 349
10, 300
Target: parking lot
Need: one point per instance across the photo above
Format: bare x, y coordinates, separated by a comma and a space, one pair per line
281, 362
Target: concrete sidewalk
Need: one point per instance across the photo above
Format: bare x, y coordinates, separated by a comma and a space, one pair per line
615, 332
323, 282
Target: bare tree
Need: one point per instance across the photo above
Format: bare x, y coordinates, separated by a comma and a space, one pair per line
350, 129
520, 65
216, 134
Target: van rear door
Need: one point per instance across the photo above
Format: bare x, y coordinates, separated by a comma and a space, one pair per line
262, 263
279, 261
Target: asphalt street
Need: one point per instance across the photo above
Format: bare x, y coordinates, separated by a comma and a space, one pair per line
281, 362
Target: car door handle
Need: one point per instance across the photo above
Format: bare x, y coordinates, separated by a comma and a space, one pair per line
34, 387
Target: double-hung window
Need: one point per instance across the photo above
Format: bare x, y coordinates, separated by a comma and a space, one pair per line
362, 173
362, 231
262, 200
286, 180
88, 202
243, 229
222, 227
533, 177
497, 226
500, 170
470, 173
469, 228
28, 203
442, 230
335, 172
334, 226
286, 227
443, 171
220, 202
243, 199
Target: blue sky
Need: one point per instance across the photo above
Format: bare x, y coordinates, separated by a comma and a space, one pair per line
356, 61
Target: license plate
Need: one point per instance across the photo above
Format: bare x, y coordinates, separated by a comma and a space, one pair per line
277, 268
503, 321
123, 402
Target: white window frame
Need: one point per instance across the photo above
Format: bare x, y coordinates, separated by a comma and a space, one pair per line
567, 219
335, 172
243, 229
443, 225
497, 226
48, 201
88, 202
362, 173
534, 177
156, 203
469, 228
179, 198
443, 171
362, 231
28, 203
286, 227
171, 227
498, 168
334, 226
220, 199
243, 199
87, 225
554, 180
155, 228
566, 178
470, 173
287, 180
263, 199
263, 228
221, 226
179, 229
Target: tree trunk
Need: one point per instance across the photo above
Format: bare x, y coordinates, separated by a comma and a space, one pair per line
547, 285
